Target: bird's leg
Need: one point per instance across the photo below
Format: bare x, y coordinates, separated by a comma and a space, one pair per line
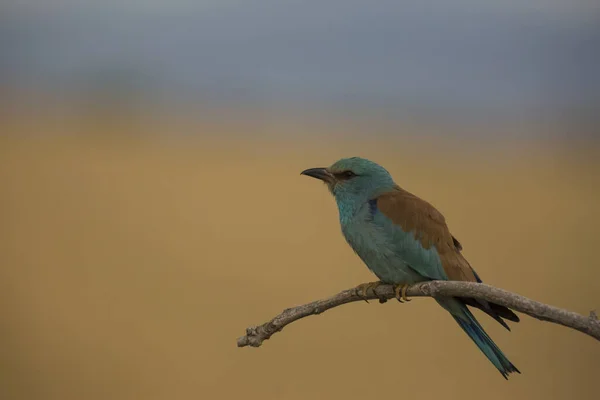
404, 289
361, 289
400, 291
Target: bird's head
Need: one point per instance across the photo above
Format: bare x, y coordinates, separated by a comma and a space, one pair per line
354, 178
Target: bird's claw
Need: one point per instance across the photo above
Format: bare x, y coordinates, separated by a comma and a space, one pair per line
400, 291
362, 289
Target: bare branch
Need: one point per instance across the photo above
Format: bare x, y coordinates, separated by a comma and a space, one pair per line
256, 335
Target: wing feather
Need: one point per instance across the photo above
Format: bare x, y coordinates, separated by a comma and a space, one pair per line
428, 225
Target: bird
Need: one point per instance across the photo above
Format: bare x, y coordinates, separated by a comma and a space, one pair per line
404, 240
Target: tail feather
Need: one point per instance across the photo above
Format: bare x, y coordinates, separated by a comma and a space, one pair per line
471, 326
496, 311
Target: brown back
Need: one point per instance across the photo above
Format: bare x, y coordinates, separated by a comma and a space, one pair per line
428, 225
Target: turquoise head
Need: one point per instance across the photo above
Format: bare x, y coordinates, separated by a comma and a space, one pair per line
353, 181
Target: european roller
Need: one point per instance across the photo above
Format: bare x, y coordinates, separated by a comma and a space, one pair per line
404, 240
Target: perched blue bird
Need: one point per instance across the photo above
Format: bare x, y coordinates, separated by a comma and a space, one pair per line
404, 240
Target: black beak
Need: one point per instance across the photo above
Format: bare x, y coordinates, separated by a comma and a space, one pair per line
319, 173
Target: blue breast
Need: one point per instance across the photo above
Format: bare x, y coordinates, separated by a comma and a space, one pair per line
377, 245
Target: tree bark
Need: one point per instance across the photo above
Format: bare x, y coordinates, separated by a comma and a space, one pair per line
590, 325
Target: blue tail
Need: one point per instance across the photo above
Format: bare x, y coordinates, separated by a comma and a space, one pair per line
469, 324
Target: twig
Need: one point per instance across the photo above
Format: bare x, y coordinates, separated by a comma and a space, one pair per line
256, 335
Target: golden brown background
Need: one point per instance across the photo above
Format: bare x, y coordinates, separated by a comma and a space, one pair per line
131, 262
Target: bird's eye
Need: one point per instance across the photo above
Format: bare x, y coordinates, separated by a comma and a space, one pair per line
344, 175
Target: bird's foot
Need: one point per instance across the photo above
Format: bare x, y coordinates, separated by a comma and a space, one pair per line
400, 291
362, 289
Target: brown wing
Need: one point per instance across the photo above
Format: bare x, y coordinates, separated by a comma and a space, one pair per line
429, 226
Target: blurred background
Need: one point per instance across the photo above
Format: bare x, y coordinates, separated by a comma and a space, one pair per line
152, 207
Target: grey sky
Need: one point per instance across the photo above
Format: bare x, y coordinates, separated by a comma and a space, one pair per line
500, 55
